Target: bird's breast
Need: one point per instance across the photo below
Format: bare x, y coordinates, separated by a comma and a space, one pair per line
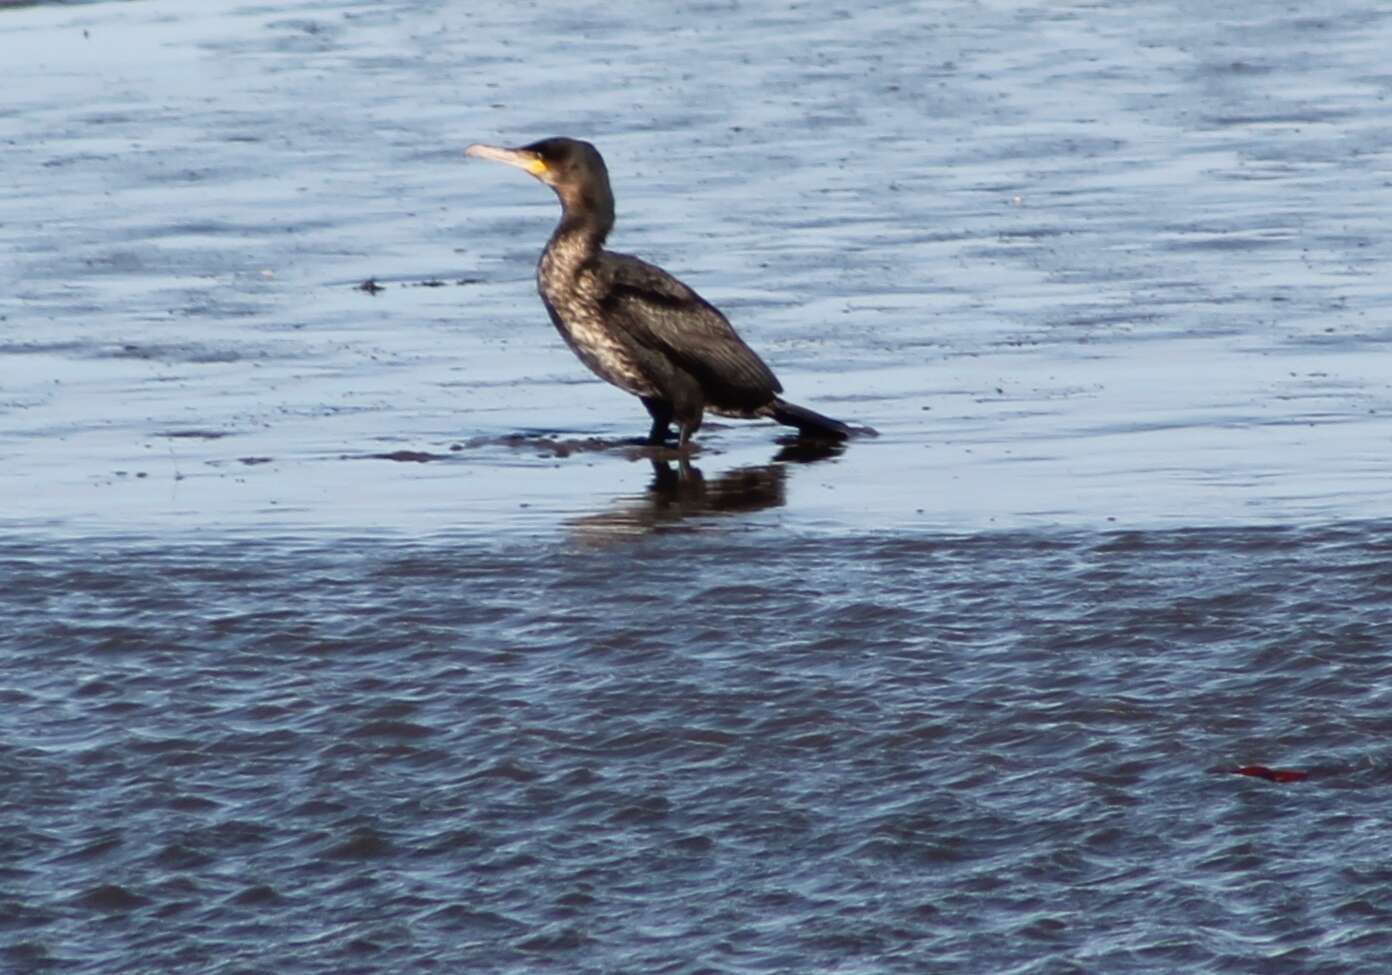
573, 298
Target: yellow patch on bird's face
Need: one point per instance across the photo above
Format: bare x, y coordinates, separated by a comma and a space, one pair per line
537, 167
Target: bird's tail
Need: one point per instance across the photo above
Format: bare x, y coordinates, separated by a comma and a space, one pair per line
808, 422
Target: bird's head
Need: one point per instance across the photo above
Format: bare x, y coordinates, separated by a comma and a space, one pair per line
574, 169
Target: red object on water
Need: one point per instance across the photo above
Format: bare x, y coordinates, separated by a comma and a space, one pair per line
1272, 774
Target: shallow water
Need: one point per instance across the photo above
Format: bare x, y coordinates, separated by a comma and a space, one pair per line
352, 632
1075, 263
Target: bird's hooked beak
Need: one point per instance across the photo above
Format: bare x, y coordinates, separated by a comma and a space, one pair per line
524, 159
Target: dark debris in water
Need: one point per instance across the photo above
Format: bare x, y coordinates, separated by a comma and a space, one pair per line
555, 446
196, 434
1269, 774
372, 287
437, 283
542, 444
408, 456
559, 446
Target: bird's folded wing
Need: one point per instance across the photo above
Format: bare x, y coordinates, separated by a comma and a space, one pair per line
657, 311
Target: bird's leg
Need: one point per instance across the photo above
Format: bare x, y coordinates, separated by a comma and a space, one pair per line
688, 406
687, 428
661, 412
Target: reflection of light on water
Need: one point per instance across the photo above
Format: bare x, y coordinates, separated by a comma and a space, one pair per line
679, 493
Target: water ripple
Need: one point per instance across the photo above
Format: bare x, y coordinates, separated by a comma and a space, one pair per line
995, 747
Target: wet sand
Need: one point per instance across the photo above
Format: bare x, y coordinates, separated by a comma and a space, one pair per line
1080, 267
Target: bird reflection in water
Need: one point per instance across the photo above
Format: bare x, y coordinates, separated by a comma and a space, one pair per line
680, 494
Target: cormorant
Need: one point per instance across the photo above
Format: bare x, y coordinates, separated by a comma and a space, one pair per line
634, 324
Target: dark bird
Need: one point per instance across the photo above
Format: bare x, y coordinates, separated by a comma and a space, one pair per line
634, 324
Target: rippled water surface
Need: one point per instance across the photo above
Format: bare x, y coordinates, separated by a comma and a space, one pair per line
744, 753
350, 632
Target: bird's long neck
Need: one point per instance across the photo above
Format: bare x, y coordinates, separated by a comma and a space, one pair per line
587, 216
577, 239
